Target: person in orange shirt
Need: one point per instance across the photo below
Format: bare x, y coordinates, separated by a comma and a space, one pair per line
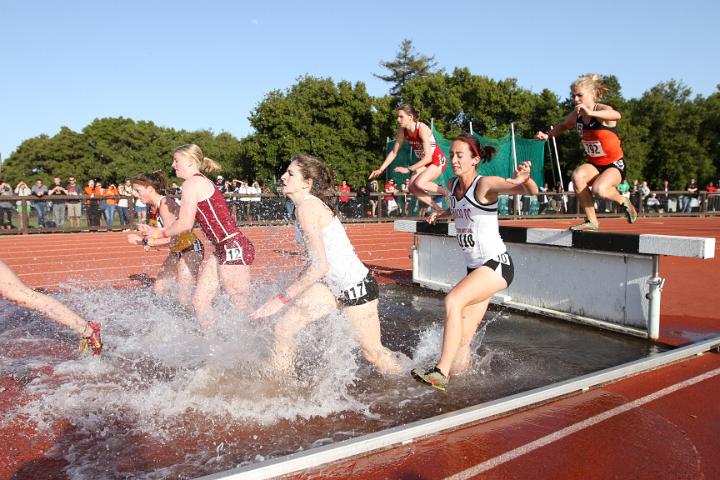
92, 204
12, 289
110, 194
605, 168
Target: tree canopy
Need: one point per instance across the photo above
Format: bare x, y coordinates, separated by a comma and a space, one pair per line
408, 64
666, 133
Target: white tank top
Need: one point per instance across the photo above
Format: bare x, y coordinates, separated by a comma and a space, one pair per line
345, 270
476, 225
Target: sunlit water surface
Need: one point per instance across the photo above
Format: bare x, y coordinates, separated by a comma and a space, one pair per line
164, 401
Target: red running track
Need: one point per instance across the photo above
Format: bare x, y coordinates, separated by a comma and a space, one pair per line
672, 435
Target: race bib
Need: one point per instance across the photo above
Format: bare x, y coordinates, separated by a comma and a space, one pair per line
358, 291
593, 148
504, 258
233, 254
465, 240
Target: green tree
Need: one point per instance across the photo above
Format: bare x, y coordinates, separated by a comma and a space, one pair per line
315, 116
709, 133
408, 64
113, 149
671, 135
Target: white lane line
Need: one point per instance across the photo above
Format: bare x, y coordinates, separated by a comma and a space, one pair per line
560, 434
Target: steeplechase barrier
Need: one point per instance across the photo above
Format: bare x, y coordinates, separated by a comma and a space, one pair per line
609, 280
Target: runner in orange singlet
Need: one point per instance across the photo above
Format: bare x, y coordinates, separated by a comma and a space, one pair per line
605, 167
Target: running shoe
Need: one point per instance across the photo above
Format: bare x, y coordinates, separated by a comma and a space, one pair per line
92, 342
630, 212
587, 226
434, 378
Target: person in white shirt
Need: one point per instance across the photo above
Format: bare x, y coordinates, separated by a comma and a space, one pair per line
335, 277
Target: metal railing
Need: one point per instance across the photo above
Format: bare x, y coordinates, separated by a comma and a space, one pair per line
30, 214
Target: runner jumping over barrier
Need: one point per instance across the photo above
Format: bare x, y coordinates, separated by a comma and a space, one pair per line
431, 159
335, 278
12, 289
606, 169
473, 207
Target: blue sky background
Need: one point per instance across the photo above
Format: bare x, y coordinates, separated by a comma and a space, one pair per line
206, 65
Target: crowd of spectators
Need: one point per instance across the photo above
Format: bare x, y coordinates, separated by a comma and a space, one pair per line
53, 208
106, 206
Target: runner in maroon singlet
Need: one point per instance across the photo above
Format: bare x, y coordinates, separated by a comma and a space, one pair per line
201, 201
431, 159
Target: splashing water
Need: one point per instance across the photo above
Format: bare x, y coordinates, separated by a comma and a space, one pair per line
165, 401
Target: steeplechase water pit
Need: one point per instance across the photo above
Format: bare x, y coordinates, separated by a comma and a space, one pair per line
166, 402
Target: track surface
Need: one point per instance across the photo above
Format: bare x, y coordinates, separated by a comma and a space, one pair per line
659, 425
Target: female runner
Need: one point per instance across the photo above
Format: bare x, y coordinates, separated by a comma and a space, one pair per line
431, 160
12, 289
473, 207
605, 170
186, 250
201, 201
334, 278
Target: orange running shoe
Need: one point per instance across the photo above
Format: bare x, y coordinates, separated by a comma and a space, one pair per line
92, 342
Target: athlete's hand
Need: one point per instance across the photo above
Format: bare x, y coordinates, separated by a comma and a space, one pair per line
522, 174
433, 217
374, 174
145, 229
582, 109
541, 136
271, 307
403, 170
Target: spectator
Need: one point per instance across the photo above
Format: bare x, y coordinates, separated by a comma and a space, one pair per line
543, 199
363, 201
141, 209
92, 204
344, 187
405, 190
73, 207
255, 207
58, 206
692, 189
110, 195
343, 199
652, 203
712, 196
220, 183
6, 207
123, 205
22, 190
665, 202
391, 204
373, 187
644, 193
572, 204
243, 201
102, 201
175, 189
40, 191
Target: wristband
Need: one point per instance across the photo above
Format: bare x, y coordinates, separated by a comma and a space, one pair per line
283, 298
527, 179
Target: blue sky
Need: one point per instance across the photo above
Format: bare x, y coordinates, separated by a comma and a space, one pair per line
206, 65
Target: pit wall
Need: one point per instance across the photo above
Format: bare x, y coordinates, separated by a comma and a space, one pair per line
604, 279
